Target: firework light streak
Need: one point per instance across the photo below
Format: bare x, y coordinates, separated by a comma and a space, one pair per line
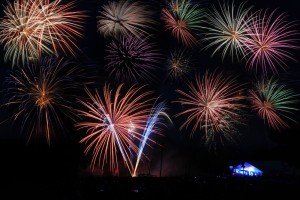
158, 110
33, 27
109, 123
209, 100
132, 59
41, 92
273, 102
183, 18
227, 29
111, 128
270, 38
123, 18
130, 129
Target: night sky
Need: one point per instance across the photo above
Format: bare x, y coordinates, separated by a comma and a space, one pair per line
177, 153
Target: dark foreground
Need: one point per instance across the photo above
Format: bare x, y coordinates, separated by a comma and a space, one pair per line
86, 188
32, 173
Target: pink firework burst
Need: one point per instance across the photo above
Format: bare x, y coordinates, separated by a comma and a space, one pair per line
211, 102
270, 39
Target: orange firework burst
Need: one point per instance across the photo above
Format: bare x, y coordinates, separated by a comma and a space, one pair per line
41, 93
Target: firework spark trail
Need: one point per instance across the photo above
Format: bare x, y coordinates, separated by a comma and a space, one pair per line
158, 110
108, 120
270, 39
226, 29
273, 102
212, 97
183, 18
33, 27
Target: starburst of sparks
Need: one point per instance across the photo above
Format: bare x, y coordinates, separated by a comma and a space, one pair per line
226, 29
40, 95
273, 102
123, 18
179, 64
132, 59
31, 28
112, 122
210, 102
183, 18
269, 43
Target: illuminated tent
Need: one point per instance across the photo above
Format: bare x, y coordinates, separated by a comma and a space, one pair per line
246, 169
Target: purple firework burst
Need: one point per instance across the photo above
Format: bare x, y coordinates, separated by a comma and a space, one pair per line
131, 59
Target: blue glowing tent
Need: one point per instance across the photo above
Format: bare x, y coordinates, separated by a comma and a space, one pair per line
246, 169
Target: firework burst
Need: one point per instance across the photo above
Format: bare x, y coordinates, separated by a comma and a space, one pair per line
112, 122
41, 93
273, 102
179, 64
132, 59
183, 18
124, 18
210, 102
270, 39
33, 27
227, 29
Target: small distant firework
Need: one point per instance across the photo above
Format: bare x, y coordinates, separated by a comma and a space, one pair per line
273, 102
183, 18
112, 122
179, 64
123, 18
270, 39
131, 59
33, 27
41, 93
227, 29
210, 102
